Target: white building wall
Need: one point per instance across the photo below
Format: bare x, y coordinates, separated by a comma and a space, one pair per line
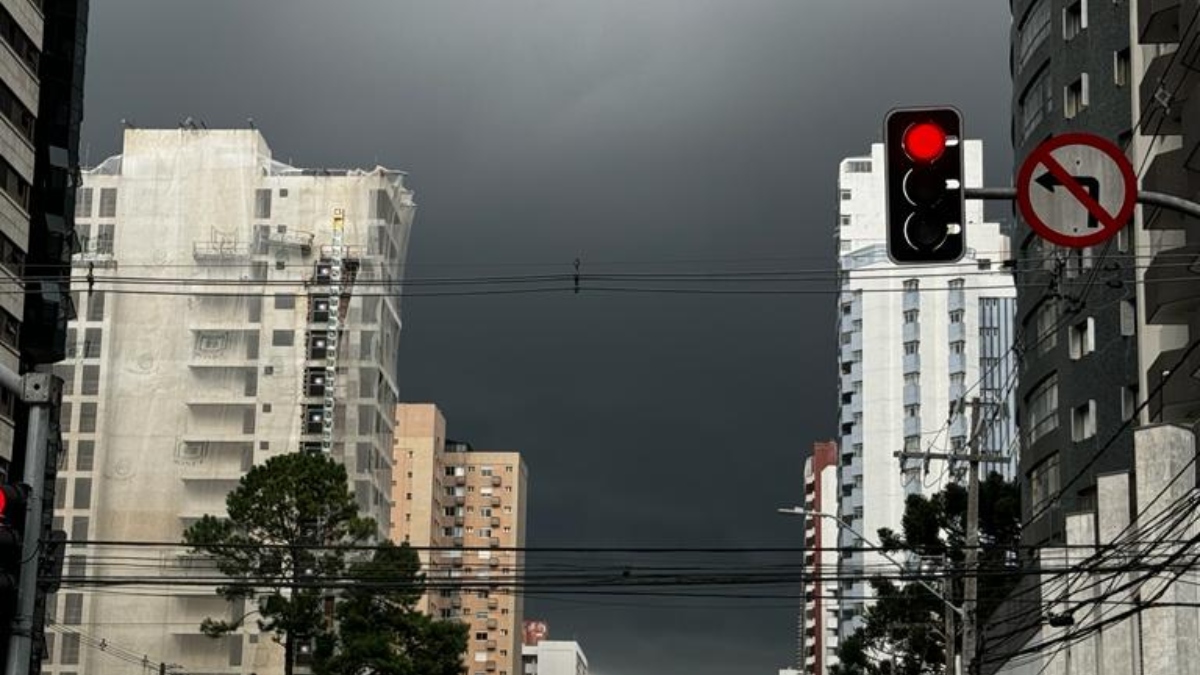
828, 560
554, 657
892, 400
174, 394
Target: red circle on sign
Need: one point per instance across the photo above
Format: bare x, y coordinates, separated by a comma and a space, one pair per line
925, 142
1111, 223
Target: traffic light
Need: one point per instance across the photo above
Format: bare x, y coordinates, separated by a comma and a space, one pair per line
923, 153
12, 524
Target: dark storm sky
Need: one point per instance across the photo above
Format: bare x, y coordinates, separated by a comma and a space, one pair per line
649, 131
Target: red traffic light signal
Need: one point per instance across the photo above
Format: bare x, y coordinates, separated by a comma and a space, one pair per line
12, 505
923, 153
924, 141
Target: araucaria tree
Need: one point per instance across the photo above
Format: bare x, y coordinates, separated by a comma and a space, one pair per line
282, 544
903, 632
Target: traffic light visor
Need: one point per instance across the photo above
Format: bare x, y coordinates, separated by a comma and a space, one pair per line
924, 141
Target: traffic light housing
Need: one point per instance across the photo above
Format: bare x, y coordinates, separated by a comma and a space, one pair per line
12, 526
923, 153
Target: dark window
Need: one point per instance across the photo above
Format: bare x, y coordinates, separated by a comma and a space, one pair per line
87, 418
314, 382
11, 256
317, 345
283, 338
13, 184
366, 419
254, 309
262, 203
248, 421
90, 386
314, 418
285, 301
95, 309
69, 655
83, 493
266, 407
10, 331
108, 203
91, 343
104, 238
79, 528
14, 37
85, 453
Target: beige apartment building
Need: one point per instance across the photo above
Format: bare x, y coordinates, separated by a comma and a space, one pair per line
231, 320
464, 509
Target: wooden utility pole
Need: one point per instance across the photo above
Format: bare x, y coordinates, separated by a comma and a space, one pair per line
970, 583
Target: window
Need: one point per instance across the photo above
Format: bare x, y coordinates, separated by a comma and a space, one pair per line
1045, 327
1075, 98
1083, 421
85, 452
104, 239
1083, 338
912, 285
19, 42
1033, 31
958, 380
845, 221
1128, 318
1042, 409
262, 203
1074, 19
956, 316
87, 418
108, 203
847, 308
912, 378
844, 194
69, 654
957, 284
858, 166
83, 203
91, 381
912, 347
912, 443
95, 309
283, 338
1121, 67
958, 347
1128, 401
911, 315
1043, 482
1036, 103
912, 410
285, 301
91, 343
83, 493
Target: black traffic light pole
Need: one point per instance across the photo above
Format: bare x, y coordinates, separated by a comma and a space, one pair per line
41, 393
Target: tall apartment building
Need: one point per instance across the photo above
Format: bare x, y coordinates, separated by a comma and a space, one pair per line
230, 320
818, 639
914, 340
464, 510
1070, 62
554, 657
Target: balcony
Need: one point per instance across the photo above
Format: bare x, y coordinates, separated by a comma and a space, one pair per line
1171, 285
912, 363
495, 481
460, 500
460, 480
1179, 398
958, 331
458, 541
493, 603
211, 471
956, 301
199, 399
855, 468
97, 254
912, 394
491, 665
491, 645
855, 344
460, 521
492, 624
912, 426
958, 363
912, 300
495, 501
1158, 21
1164, 175
301, 241
212, 251
911, 331
1157, 118
495, 521
493, 562
494, 542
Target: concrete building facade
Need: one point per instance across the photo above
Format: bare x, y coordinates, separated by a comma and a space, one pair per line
913, 340
554, 657
203, 345
818, 625
464, 510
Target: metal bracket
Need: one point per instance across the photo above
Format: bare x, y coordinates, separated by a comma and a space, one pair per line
41, 388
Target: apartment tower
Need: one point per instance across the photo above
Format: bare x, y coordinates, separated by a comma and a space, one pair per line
818, 640
225, 316
464, 510
915, 342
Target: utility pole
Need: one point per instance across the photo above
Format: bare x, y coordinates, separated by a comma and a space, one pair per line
970, 583
950, 655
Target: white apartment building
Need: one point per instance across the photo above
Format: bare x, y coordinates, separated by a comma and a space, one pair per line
913, 340
817, 641
554, 657
206, 345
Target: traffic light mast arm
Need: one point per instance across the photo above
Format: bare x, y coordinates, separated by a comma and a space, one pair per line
1145, 197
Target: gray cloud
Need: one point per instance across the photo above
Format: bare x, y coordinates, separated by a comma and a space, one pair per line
536, 131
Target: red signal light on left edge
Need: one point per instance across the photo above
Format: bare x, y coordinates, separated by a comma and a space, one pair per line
924, 142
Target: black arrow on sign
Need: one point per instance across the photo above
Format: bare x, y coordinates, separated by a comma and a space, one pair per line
1049, 181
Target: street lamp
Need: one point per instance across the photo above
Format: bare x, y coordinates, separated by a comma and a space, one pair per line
801, 511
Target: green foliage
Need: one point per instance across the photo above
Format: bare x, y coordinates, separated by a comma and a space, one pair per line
278, 512
903, 631
380, 632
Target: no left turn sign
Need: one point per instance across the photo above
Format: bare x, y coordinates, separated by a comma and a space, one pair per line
1076, 190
